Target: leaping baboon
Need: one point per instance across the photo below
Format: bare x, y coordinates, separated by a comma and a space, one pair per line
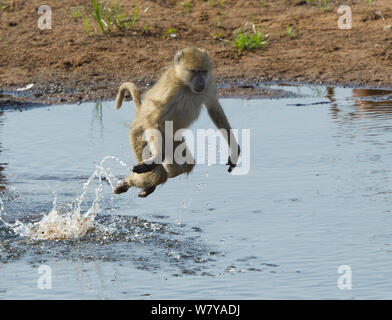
177, 96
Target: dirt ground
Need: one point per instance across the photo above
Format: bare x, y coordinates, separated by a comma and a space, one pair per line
67, 65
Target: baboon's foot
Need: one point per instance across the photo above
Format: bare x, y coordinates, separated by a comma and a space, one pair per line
144, 193
143, 167
122, 187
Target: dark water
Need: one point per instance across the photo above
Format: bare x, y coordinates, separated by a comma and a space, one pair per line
318, 196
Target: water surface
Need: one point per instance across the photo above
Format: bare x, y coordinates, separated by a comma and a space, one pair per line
318, 196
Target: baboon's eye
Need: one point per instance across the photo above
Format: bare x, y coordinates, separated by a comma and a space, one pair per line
199, 71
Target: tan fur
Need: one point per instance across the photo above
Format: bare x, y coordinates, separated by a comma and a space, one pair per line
172, 98
134, 92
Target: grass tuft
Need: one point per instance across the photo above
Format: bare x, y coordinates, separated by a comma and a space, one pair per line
105, 17
290, 32
244, 40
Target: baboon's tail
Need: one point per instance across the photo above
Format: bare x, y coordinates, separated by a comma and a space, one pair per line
134, 92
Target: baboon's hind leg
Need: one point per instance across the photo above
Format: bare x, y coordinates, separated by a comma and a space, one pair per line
122, 187
174, 169
146, 181
146, 192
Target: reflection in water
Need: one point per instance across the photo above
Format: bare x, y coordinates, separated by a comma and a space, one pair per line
330, 95
2, 177
97, 119
372, 102
366, 103
3, 181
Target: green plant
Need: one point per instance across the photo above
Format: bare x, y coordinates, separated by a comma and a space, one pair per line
76, 12
218, 36
290, 32
220, 18
244, 40
106, 17
122, 21
214, 3
97, 14
134, 15
186, 6
85, 24
263, 3
325, 5
169, 32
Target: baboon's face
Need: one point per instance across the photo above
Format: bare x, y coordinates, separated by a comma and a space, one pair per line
193, 68
199, 79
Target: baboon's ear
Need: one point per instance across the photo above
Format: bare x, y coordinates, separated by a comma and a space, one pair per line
178, 56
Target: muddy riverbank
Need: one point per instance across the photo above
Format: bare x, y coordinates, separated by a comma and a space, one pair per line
67, 65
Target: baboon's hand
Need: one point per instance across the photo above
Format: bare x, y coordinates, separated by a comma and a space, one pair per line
143, 167
230, 163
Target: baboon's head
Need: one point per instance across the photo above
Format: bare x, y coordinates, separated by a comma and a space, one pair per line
193, 68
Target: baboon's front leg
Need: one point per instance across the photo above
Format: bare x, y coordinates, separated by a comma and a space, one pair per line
218, 116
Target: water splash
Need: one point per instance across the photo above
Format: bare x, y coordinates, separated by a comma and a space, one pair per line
73, 223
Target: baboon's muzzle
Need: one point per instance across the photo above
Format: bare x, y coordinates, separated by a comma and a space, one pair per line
199, 84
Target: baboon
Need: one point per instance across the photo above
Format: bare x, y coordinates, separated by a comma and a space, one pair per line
177, 96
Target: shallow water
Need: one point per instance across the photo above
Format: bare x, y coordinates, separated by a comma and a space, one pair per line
318, 196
